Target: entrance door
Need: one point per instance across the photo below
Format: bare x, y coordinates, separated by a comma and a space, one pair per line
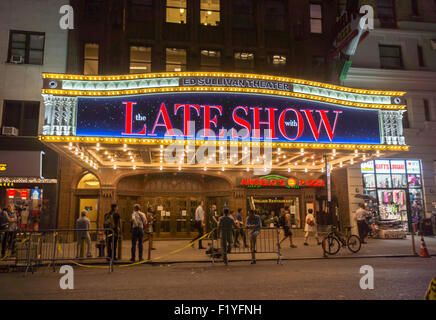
125, 209
90, 205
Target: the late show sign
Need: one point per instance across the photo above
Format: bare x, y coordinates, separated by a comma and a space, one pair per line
231, 116
275, 181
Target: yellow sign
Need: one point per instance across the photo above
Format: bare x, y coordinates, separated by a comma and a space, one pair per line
3, 166
6, 184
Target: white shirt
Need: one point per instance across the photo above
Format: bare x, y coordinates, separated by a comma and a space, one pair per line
309, 228
360, 214
199, 214
137, 221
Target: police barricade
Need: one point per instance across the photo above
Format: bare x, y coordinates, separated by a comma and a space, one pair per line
245, 241
30, 249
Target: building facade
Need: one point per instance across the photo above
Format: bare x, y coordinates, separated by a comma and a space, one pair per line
31, 42
400, 54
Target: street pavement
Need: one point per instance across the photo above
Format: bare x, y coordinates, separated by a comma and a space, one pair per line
332, 279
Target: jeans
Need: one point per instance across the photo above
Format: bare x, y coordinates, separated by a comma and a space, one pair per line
362, 227
109, 236
198, 226
253, 234
241, 232
137, 236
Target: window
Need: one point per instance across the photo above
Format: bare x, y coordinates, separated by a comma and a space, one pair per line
386, 13
275, 15
140, 59
277, 60
23, 115
210, 12
90, 65
175, 59
141, 11
26, 47
415, 9
210, 60
176, 11
390, 57
244, 61
427, 110
243, 14
406, 124
94, 9
421, 57
315, 18
88, 181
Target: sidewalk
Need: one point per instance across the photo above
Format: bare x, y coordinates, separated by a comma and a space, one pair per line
374, 248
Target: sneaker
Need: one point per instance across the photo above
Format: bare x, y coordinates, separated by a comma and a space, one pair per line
253, 262
293, 246
306, 244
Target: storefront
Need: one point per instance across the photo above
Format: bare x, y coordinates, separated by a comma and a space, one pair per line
23, 185
396, 192
168, 141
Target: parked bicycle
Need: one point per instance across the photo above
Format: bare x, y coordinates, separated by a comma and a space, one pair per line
332, 243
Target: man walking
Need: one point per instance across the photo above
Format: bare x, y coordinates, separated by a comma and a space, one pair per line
112, 220
139, 221
254, 223
199, 224
83, 225
360, 218
287, 229
8, 224
240, 229
149, 230
225, 226
310, 227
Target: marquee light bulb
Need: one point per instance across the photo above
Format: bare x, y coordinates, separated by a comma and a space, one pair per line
305, 170
222, 168
289, 169
115, 166
160, 168
134, 167
248, 169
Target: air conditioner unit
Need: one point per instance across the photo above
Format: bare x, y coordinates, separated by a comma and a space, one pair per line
17, 59
9, 131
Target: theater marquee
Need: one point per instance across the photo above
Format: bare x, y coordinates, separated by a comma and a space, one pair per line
222, 109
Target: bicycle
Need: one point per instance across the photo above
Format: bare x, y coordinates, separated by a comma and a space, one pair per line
332, 243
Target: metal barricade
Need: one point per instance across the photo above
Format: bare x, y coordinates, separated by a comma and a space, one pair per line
245, 241
58, 246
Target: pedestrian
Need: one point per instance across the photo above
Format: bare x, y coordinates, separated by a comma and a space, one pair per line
149, 229
286, 224
83, 225
139, 222
112, 220
24, 218
199, 224
225, 226
213, 221
310, 227
253, 223
4, 227
360, 218
240, 229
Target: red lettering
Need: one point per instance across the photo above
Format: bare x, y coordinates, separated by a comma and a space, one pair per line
282, 124
208, 121
167, 123
270, 122
129, 118
316, 131
186, 116
241, 122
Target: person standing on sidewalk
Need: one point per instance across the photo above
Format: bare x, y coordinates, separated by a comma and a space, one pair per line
4, 228
225, 226
240, 229
139, 222
254, 223
149, 230
310, 227
213, 220
287, 229
83, 225
199, 224
112, 220
362, 226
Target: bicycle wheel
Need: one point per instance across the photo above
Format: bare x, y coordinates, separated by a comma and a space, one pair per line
353, 243
331, 245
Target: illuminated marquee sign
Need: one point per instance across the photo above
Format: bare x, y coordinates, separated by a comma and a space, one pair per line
275, 181
228, 116
235, 82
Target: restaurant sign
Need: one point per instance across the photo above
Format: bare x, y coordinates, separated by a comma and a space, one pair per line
276, 181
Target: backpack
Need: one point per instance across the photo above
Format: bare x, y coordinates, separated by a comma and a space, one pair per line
282, 221
108, 221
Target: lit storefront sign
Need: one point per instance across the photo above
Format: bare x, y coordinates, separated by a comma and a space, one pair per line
21, 163
276, 181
